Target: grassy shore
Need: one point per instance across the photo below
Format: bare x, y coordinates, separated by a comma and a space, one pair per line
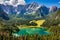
38, 22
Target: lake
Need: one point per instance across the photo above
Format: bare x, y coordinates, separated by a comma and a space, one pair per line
32, 31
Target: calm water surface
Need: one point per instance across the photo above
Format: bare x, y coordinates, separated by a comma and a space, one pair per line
32, 31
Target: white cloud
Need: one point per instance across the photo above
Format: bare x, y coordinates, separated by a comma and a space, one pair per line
13, 2
21, 2
1, 1
59, 2
17, 2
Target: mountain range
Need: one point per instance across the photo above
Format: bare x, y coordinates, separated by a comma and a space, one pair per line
28, 9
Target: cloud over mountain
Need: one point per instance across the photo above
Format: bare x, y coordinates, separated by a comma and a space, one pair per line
1, 1
21, 2
13, 2
17, 2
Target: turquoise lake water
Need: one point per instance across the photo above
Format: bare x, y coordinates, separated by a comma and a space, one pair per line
32, 31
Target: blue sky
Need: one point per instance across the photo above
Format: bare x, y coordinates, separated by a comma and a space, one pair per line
47, 3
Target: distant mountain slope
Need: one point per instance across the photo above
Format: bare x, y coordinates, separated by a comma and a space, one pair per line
44, 11
53, 20
52, 9
9, 9
3, 14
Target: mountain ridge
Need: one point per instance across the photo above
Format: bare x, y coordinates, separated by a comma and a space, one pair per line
27, 9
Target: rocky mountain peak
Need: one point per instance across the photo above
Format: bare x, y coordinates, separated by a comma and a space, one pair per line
53, 9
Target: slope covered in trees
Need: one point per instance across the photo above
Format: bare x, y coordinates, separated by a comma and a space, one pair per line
53, 20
